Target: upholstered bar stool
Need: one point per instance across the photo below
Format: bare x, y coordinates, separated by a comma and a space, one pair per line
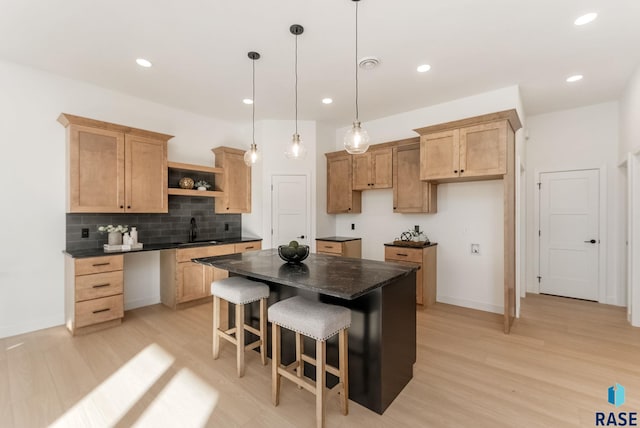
240, 291
318, 321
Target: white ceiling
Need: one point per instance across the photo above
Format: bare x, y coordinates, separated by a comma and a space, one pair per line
199, 51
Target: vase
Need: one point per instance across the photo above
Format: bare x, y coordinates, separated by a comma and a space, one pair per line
115, 238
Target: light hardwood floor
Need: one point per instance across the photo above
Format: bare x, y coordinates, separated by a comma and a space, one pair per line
156, 369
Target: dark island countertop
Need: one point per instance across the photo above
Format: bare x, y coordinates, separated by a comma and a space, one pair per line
341, 277
96, 252
338, 239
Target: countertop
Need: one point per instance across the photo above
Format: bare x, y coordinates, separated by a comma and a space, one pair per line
338, 239
341, 277
96, 252
391, 244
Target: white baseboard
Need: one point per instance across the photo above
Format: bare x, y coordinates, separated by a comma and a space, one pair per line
487, 307
138, 303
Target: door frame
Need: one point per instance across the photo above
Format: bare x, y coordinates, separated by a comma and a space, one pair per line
602, 226
633, 236
310, 215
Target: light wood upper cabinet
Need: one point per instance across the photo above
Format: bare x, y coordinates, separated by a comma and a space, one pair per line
235, 183
373, 169
114, 168
341, 198
469, 149
410, 194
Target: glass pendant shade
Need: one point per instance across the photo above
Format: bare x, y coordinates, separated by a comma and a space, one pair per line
356, 140
251, 156
296, 149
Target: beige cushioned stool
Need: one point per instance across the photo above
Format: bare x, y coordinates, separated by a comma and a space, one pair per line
318, 321
240, 291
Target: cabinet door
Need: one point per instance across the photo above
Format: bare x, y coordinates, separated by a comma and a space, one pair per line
146, 175
483, 150
340, 196
191, 282
235, 183
440, 155
381, 168
410, 194
96, 170
362, 171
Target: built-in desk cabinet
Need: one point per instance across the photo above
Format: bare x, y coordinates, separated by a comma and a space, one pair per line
114, 168
182, 280
426, 276
93, 293
351, 248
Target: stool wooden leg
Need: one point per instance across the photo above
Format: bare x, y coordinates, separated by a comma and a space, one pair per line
216, 327
263, 331
275, 364
299, 352
343, 350
240, 339
320, 382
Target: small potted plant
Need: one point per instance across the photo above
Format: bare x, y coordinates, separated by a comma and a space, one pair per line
202, 185
115, 233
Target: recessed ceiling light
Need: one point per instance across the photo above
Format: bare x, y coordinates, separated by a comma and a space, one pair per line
327, 101
424, 68
574, 78
585, 19
368, 62
143, 62
248, 101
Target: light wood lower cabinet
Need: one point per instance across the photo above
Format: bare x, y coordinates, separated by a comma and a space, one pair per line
182, 280
93, 293
426, 275
336, 248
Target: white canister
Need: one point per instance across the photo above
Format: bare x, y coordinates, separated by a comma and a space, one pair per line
134, 236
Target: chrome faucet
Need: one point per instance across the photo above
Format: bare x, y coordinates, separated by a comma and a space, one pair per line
193, 230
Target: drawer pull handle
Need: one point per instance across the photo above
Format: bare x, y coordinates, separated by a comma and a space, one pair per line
248, 248
328, 246
101, 310
401, 254
101, 264
102, 285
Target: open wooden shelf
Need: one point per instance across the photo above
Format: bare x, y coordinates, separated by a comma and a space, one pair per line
194, 192
191, 167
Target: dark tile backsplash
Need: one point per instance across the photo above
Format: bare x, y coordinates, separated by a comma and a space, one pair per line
157, 228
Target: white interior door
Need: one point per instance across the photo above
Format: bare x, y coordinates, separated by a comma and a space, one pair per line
290, 210
569, 239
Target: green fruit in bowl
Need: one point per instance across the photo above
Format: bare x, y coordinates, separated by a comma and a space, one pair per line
294, 244
288, 251
302, 251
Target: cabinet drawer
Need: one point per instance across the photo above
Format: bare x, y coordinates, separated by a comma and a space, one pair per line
186, 254
99, 310
248, 246
98, 264
403, 254
98, 285
329, 247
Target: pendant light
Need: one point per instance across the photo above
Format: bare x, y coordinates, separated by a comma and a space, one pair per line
251, 156
356, 139
296, 150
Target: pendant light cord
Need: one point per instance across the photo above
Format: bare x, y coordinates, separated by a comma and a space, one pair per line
296, 72
253, 104
356, 62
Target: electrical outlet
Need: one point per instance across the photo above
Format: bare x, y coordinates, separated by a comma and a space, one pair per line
85, 232
226, 226
475, 248
353, 226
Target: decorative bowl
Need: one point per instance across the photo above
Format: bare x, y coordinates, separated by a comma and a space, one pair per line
293, 255
186, 183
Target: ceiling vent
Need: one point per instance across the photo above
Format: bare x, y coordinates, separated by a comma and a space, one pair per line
368, 62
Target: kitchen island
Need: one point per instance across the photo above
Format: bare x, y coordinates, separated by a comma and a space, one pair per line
381, 297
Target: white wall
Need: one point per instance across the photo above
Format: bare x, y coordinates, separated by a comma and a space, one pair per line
273, 137
581, 138
467, 212
33, 170
629, 114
